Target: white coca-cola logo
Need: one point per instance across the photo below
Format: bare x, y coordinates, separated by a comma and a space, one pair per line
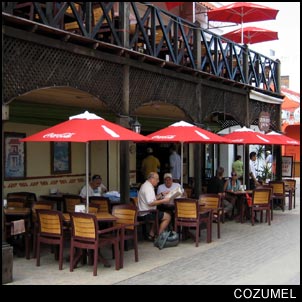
59, 135
164, 136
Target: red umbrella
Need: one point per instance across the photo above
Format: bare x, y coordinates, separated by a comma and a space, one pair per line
85, 127
242, 12
281, 139
252, 35
186, 132
248, 136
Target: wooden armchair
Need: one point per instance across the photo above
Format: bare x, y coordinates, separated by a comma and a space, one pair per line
86, 235
291, 193
70, 201
278, 192
50, 224
213, 201
261, 200
188, 214
46, 205
127, 219
28, 197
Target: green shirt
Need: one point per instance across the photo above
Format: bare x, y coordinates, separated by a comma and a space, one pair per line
237, 166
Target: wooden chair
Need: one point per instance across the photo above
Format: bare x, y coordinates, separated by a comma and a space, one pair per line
213, 201
41, 204
102, 202
70, 201
127, 219
291, 184
50, 224
188, 214
28, 197
86, 235
16, 202
143, 222
261, 200
278, 192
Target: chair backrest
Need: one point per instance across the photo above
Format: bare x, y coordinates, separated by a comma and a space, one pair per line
126, 215
93, 208
102, 202
28, 197
41, 204
278, 187
210, 201
84, 227
186, 208
290, 183
70, 201
16, 202
261, 196
50, 222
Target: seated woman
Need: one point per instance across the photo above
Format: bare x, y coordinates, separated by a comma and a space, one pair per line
232, 184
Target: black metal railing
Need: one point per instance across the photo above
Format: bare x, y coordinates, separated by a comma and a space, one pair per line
144, 28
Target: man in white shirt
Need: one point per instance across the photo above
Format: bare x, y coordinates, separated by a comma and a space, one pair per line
168, 185
96, 188
147, 200
252, 171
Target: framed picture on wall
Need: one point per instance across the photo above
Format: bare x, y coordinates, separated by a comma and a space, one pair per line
287, 166
14, 156
60, 157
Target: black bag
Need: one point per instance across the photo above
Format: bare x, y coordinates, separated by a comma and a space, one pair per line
167, 239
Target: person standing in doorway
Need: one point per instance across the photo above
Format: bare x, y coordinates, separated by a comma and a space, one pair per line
269, 160
175, 164
237, 167
150, 163
252, 171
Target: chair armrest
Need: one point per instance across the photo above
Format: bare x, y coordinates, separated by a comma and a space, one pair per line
108, 230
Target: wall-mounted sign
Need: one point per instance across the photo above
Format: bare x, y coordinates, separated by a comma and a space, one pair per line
264, 121
287, 166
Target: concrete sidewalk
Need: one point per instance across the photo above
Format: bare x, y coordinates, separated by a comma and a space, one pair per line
245, 254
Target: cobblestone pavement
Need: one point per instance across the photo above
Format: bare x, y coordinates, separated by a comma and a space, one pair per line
245, 254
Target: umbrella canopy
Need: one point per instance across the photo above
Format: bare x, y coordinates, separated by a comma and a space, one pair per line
242, 12
85, 127
247, 136
185, 132
281, 139
251, 35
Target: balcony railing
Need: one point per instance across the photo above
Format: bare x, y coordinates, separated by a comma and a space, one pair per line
153, 32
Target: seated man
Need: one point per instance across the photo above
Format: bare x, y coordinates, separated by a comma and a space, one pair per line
96, 188
167, 186
216, 186
147, 200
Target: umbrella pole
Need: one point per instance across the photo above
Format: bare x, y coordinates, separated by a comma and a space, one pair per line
241, 32
181, 163
87, 178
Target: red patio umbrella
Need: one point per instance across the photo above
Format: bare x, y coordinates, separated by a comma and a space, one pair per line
247, 136
85, 127
185, 132
281, 139
242, 12
251, 35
